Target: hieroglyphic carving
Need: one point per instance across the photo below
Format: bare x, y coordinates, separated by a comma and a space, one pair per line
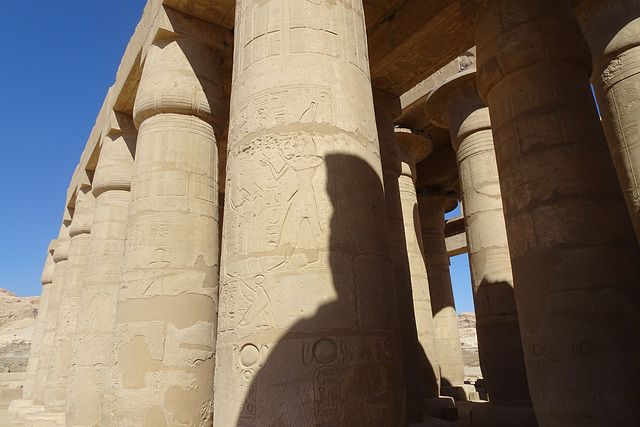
283, 27
247, 360
245, 304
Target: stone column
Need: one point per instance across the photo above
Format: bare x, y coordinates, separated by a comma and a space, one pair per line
413, 148
35, 352
60, 259
167, 304
308, 330
93, 357
612, 29
455, 104
574, 255
386, 107
431, 208
56, 387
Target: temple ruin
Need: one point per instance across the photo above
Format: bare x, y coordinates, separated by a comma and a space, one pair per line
255, 232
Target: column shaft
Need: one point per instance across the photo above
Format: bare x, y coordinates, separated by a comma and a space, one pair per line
308, 331
45, 362
411, 149
56, 390
574, 255
93, 357
612, 29
35, 352
431, 210
167, 303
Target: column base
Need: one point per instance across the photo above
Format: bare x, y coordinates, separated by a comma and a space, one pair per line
431, 422
20, 408
491, 415
443, 407
45, 419
460, 392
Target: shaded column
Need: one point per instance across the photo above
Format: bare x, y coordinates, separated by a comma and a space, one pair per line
455, 104
56, 387
612, 29
166, 311
387, 106
413, 148
431, 210
308, 330
93, 357
60, 259
574, 255
36, 349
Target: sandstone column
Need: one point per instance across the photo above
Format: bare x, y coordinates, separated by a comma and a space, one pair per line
612, 29
92, 356
308, 330
387, 106
56, 388
166, 310
60, 259
35, 353
431, 208
456, 105
413, 148
574, 255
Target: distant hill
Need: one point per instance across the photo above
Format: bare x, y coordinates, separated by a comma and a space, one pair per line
17, 320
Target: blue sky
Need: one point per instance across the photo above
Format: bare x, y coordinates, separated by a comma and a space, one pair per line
58, 61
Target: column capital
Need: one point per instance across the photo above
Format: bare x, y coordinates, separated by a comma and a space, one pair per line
413, 146
537, 32
609, 26
82, 213
455, 104
114, 170
48, 271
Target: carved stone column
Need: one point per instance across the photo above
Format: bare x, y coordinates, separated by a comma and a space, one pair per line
387, 106
93, 357
431, 210
308, 330
56, 388
574, 255
36, 350
167, 304
60, 259
612, 29
413, 148
456, 105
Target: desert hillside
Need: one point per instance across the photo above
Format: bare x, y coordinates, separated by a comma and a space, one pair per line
17, 320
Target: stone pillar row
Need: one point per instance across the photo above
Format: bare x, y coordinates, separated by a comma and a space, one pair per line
316, 303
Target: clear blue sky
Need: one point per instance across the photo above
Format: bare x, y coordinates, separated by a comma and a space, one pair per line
58, 60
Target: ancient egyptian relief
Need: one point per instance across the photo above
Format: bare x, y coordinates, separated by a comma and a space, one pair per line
284, 27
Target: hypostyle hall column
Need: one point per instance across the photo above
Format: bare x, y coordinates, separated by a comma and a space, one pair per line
574, 255
93, 357
56, 388
36, 350
308, 330
456, 105
45, 362
431, 208
413, 148
612, 29
386, 107
166, 311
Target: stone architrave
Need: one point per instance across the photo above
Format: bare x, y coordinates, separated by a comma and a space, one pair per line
308, 330
413, 148
56, 387
35, 353
93, 357
431, 209
455, 104
166, 311
60, 259
574, 254
612, 29
387, 106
